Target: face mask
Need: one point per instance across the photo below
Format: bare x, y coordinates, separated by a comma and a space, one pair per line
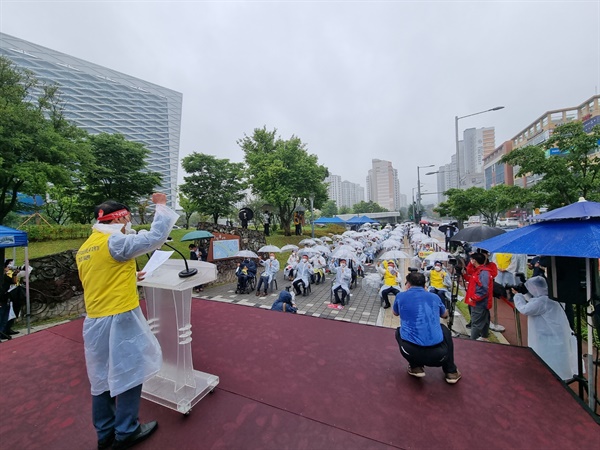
438, 268
342, 265
271, 258
304, 260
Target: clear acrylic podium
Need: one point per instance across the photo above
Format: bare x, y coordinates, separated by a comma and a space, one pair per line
169, 302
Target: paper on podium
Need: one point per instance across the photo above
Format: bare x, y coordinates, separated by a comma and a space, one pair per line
167, 275
156, 260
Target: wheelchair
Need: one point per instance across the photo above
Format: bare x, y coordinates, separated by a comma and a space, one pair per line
249, 288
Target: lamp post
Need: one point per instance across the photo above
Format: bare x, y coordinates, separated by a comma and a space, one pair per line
419, 188
456, 119
312, 218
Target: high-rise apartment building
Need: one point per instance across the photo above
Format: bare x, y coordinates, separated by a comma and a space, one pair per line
383, 186
477, 143
101, 100
344, 193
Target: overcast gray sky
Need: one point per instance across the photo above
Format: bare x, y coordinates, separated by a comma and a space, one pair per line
353, 80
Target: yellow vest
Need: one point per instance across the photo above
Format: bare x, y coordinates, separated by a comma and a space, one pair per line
503, 260
436, 279
388, 278
110, 286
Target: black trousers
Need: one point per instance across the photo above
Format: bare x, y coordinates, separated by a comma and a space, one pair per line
336, 292
387, 291
297, 285
440, 355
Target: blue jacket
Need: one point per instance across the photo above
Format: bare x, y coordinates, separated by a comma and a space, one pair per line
284, 300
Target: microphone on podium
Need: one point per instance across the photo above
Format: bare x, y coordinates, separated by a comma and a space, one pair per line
187, 272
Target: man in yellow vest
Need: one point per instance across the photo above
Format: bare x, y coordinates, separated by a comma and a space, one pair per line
121, 352
439, 281
391, 281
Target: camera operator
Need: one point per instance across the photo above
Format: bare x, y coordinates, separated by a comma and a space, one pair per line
549, 334
480, 297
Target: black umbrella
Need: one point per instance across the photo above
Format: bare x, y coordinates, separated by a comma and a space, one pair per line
477, 234
444, 227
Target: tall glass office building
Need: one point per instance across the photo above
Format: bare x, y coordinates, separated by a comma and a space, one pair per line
101, 100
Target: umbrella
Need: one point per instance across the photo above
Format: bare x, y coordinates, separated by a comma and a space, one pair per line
326, 239
289, 247
307, 242
477, 234
575, 238
246, 254
198, 234
437, 256
322, 248
372, 282
444, 227
306, 251
269, 249
430, 241
344, 252
578, 210
394, 254
391, 243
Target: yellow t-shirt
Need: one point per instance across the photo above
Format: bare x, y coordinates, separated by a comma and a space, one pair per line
503, 260
436, 279
109, 286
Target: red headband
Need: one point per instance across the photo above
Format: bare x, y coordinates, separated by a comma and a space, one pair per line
112, 216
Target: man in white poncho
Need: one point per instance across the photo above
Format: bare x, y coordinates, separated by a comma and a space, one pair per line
120, 350
549, 334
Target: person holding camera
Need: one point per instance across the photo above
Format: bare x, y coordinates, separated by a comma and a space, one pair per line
422, 339
121, 352
549, 333
285, 303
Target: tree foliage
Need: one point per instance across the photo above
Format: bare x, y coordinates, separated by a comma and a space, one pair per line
283, 173
567, 176
367, 207
215, 185
329, 209
489, 203
38, 147
189, 207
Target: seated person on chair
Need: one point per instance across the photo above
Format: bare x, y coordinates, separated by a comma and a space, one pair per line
245, 271
439, 280
284, 303
302, 280
391, 283
341, 285
271, 266
318, 263
422, 339
291, 264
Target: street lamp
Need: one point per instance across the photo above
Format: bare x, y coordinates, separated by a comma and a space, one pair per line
312, 217
456, 119
419, 187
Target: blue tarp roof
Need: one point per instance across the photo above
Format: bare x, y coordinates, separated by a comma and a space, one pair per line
9, 237
360, 220
329, 220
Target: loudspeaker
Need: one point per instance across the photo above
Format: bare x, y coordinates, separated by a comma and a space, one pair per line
571, 280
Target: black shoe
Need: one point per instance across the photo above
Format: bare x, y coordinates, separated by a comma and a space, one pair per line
107, 442
8, 337
12, 332
387, 305
468, 325
143, 431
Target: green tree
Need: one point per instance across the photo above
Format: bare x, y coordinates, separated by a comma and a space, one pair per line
491, 203
329, 208
189, 207
38, 147
283, 173
344, 210
367, 207
566, 176
119, 172
215, 185
61, 203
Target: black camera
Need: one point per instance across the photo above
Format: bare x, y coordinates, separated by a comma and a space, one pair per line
520, 286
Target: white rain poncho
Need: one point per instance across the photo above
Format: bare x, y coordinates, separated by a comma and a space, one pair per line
549, 333
120, 350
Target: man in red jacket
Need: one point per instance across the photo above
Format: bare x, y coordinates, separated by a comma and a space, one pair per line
479, 296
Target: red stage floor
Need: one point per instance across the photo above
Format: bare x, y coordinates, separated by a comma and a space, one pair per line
299, 382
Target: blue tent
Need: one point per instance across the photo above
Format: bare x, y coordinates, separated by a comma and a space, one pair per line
325, 220
9, 237
360, 220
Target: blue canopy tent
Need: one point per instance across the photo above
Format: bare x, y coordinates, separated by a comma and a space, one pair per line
571, 231
360, 220
326, 220
9, 237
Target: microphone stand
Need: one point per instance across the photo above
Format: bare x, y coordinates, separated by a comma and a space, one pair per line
187, 272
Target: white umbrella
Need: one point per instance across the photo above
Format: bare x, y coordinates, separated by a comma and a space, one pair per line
344, 252
307, 242
269, 249
289, 248
323, 249
430, 241
349, 233
394, 254
437, 256
372, 282
391, 243
246, 254
326, 239
307, 251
